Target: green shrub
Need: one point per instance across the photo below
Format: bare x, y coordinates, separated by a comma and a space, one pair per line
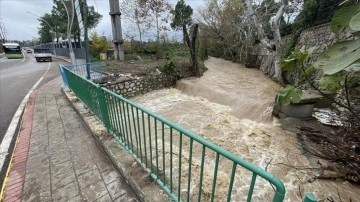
170, 68
151, 48
99, 44
132, 56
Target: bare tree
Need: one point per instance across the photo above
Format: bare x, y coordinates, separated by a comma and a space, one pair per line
138, 17
220, 20
160, 10
3, 32
276, 46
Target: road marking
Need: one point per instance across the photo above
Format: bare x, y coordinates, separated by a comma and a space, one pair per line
5, 144
16, 63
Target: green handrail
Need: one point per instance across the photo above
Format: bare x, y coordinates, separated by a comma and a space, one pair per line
135, 133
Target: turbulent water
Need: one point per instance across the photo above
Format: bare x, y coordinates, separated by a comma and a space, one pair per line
231, 106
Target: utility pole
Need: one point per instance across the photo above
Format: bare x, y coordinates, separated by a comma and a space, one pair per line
115, 15
86, 38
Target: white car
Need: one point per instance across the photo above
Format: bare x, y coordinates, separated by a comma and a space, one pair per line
42, 54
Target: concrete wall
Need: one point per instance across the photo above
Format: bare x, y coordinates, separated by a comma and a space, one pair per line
320, 36
130, 87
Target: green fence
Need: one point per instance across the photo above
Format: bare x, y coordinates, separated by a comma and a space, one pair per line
186, 166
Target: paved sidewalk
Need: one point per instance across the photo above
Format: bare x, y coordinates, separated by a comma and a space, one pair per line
57, 159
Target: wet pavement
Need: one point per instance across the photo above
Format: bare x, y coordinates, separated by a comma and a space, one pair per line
57, 159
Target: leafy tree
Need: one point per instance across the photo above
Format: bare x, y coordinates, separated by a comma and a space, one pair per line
182, 15
58, 21
224, 27
182, 19
99, 44
45, 31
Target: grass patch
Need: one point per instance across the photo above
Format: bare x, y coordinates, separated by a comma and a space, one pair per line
14, 56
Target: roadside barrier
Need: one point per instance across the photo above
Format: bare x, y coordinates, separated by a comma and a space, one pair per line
186, 166
91, 70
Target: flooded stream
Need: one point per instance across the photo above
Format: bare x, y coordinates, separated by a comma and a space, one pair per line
231, 106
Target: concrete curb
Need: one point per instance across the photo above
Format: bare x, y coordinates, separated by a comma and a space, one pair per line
138, 179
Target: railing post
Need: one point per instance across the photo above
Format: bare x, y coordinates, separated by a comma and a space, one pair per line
88, 76
63, 75
310, 197
103, 108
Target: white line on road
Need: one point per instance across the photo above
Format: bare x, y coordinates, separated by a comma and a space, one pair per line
5, 144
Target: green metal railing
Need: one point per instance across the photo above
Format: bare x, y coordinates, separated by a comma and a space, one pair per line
186, 166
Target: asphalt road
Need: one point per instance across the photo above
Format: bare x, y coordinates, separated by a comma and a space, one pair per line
17, 77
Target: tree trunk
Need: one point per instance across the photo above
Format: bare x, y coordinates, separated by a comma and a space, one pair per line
275, 24
276, 48
157, 28
192, 47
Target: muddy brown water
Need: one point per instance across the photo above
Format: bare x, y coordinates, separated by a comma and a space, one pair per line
231, 106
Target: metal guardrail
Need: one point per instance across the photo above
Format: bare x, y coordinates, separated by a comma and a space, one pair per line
95, 71
186, 166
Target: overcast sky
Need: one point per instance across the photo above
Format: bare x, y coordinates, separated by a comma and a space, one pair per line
21, 25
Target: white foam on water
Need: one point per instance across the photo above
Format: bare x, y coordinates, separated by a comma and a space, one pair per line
250, 135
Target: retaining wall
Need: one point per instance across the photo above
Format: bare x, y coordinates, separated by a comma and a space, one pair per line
130, 87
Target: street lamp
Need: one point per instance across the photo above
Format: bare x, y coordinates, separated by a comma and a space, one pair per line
52, 29
32, 36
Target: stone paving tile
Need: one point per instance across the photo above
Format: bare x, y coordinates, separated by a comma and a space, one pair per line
82, 166
55, 131
116, 190
77, 198
54, 127
82, 156
89, 178
74, 148
69, 124
94, 191
36, 160
38, 137
34, 192
125, 199
97, 154
38, 177
55, 145
60, 157
110, 175
60, 168
62, 179
104, 164
38, 149
66, 192
39, 122
64, 161
104, 198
